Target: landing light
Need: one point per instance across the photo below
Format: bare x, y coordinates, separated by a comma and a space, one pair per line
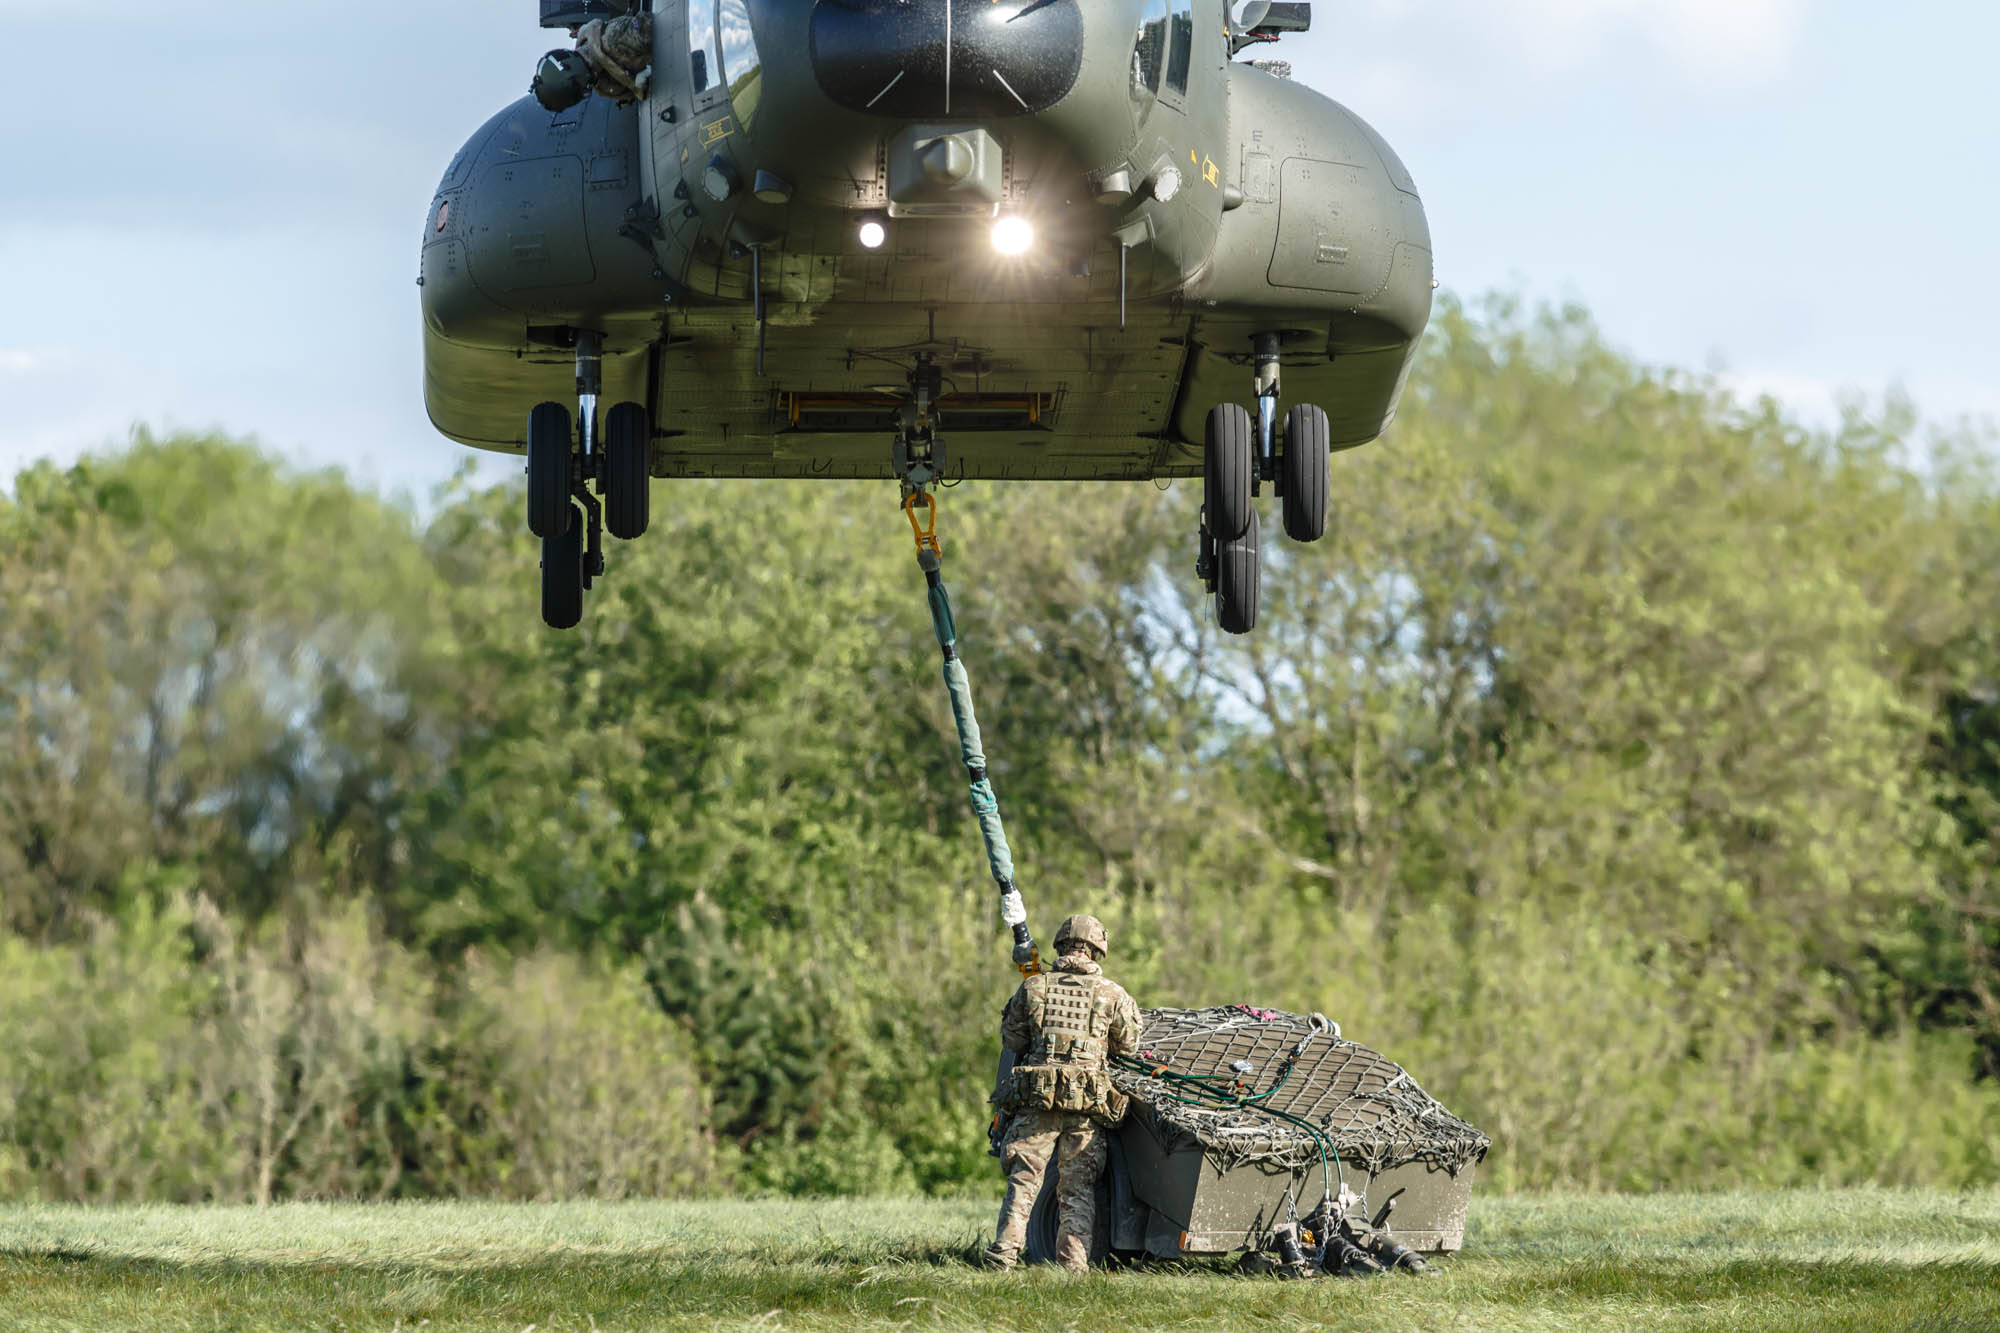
872, 234
1013, 236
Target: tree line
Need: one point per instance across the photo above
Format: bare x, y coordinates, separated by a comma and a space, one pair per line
1626, 764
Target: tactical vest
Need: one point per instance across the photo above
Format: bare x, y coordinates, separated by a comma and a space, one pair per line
1067, 1064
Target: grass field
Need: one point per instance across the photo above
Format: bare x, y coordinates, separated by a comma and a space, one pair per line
1817, 1261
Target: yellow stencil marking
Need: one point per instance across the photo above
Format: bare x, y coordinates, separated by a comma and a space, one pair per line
716, 130
1209, 173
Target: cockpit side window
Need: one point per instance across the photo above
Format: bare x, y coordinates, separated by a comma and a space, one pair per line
1181, 47
1149, 52
703, 52
740, 66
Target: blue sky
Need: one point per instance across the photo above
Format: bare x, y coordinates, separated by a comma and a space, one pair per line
209, 214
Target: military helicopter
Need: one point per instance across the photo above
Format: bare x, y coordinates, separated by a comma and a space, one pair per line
922, 240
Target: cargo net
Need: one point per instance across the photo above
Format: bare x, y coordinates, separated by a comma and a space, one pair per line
1366, 1105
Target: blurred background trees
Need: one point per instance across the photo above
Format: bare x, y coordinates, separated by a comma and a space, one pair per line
1627, 765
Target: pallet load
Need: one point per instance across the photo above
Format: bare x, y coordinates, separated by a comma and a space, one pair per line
1242, 1124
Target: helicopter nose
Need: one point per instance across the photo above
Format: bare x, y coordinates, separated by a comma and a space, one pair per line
937, 59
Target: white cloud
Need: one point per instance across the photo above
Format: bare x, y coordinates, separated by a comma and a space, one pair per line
18, 361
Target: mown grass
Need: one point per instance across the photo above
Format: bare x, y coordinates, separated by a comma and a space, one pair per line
1797, 1260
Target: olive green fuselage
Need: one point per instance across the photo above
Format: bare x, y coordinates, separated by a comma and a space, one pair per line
1243, 204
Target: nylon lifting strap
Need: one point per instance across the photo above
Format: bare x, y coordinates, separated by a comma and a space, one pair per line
971, 749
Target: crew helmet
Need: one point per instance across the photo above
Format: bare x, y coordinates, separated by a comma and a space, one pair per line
1083, 929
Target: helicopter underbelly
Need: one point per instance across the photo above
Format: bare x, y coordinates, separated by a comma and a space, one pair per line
1031, 392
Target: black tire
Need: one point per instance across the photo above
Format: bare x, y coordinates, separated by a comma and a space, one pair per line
628, 471
1044, 1220
1228, 470
1306, 472
562, 575
550, 446
1238, 580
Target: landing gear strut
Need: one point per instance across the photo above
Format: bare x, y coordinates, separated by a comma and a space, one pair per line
562, 510
1239, 457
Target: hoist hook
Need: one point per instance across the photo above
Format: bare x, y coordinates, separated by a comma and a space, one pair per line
926, 531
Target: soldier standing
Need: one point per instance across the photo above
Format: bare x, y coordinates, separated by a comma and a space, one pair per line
1063, 1026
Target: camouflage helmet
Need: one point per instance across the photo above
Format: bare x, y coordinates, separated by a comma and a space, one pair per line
1083, 929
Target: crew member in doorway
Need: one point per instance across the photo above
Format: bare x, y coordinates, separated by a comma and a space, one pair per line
1063, 1026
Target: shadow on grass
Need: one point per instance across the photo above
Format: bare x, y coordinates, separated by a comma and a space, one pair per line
59, 1254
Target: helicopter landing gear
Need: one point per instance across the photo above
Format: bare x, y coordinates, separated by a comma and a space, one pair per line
1229, 472
563, 576
1227, 562
1267, 408
550, 465
1296, 462
562, 511
1239, 456
1238, 580
1304, 472
627, 474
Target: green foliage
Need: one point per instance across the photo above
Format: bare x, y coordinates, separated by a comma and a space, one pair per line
563, 1082
173, 1056
100, 1091
1627, 764
208, 664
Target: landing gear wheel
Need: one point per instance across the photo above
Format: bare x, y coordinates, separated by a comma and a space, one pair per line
628, 471
549, 466
1238, 581
1228, 470
1304, 472
562, 573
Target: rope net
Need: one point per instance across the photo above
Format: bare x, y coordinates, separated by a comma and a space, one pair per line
1368, 1106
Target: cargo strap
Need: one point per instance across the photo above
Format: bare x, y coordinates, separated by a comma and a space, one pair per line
985, 805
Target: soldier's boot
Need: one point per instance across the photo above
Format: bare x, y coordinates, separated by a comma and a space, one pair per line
1073, 1253
996, 1258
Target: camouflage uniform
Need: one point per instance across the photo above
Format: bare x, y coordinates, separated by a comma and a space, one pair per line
1063, 1026
618, 51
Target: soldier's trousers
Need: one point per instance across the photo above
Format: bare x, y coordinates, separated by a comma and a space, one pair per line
1076, 1144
